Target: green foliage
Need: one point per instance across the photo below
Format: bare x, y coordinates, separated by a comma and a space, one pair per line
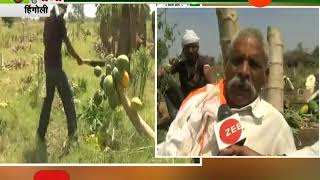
166, 36
79, 86
105, 11
141, 63
293, 118
163, 51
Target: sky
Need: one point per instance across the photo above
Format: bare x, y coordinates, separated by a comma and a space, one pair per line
296, 25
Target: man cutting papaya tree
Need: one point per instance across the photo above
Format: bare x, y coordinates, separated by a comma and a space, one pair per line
54, 34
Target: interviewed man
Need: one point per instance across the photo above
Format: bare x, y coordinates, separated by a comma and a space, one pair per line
246, 72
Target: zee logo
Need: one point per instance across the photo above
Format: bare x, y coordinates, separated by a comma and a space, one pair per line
230, 131
51, 175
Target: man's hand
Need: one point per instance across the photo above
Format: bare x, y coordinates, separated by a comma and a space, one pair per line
208, 73
164, 69
236, 150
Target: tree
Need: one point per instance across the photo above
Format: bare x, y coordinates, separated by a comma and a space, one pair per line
166, 36
8, 21
78, 11
120, 25
275, 80
228, 26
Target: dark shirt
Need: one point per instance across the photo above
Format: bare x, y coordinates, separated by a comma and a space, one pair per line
53, 35
191, 74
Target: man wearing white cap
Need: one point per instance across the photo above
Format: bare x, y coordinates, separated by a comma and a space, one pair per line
193, 69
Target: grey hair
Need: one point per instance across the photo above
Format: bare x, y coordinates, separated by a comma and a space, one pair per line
250, 33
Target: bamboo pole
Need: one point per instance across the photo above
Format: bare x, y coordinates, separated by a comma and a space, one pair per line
141, 126
275, 80
228, 26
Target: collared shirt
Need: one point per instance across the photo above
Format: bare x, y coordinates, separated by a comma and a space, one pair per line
191, 133
312, 150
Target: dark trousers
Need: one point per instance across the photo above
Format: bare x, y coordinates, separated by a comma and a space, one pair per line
57, 79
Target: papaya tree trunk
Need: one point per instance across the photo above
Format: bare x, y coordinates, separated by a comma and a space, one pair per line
228, 26
275, 80
141, 126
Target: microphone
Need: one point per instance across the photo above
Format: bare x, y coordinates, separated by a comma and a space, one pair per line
228, 130
224, 111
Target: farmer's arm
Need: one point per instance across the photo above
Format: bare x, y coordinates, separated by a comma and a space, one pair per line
208, 69
174, 66
72, 51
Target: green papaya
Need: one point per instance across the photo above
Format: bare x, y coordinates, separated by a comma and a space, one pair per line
115, 74
114, 100
97, 71
97, 99
101, 81
313, 106
108, 69
108, 85
123, 63
304, 109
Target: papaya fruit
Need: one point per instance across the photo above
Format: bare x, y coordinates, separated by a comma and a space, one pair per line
136, 103
125, 79
108, 85
97, 71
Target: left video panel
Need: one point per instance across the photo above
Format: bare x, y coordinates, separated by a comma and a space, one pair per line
78, 86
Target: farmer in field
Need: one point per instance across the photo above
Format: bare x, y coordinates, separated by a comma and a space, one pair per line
54, 34
246, 71
193, 70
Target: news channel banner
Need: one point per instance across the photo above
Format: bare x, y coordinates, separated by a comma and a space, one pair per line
41, 8
25, 8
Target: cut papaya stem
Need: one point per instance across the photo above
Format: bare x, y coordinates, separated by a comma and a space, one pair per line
141, 126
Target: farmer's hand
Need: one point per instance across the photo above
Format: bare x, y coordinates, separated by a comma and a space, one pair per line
236, 150
208, 73
164, 69
161, 72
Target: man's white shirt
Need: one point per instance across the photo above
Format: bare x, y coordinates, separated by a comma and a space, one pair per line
192, 134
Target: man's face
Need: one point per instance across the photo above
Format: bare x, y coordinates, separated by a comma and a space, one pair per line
191, 51
246, 72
